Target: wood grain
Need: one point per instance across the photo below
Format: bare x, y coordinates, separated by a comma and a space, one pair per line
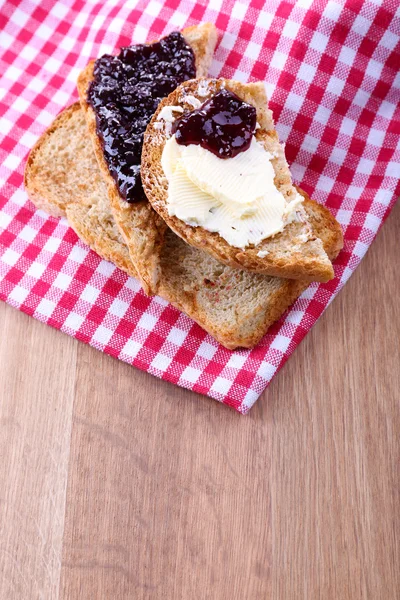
36, 399
170, 495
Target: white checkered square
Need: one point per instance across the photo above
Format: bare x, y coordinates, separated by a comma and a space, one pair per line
206, 350
290, 29
45, 308
90, 294
294, 102
295, 317
36, 270
62, 281
239, 10
310, 143
10, 257
131, 349
11, 162
360, 249
52, 244
322, 114
147, 321
325, 183
374, 69
372, 223
118, 307
178, 20
332, 10
44, 32
102, 335
280, 342
264, 19
392, 170
347, 126
253, 50
389, 40
306, 72
361, 98
347, 56
376, 137
335, 85
161, 362
221, 386
176, 336
386, 109
153, 8
361, 25
278, 60
18, 295
354, 191
237, 361
27, 234
266, 371
319, 42
365, 166
344, 216
190, 374
338, 156
28, 139
52, 65
73, 321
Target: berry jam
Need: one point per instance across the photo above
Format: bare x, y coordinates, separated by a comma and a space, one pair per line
124, 95
224, 125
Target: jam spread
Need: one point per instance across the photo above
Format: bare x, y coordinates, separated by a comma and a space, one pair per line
124, 95
224, 125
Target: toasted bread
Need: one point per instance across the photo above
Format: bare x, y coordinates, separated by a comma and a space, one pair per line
52, 156
142, 229
293, 253
234, 306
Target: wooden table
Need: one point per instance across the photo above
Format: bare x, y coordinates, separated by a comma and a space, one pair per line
115, 485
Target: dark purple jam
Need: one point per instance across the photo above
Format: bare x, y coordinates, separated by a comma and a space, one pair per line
224, 125
124, 95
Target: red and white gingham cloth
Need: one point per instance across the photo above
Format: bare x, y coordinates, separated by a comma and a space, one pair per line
332, 74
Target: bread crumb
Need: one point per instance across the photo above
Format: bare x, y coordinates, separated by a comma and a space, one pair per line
202, 89
166, 115
192, 100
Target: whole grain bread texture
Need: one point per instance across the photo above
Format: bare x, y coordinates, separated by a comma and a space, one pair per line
296, 252
235, 306
63, 178
62, 152
141, 227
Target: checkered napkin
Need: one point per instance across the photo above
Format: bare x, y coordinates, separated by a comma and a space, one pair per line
332, 75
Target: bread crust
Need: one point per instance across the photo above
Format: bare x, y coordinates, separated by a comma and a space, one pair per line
141, 227
287, 254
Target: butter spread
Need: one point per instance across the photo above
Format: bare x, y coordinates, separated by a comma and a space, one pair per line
192, 100
202, 88
235, 197
166, 115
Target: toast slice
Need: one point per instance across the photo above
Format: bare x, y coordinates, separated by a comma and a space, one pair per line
296, 252
234, 306
142, 229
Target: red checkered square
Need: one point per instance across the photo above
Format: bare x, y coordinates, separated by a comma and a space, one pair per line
331, 72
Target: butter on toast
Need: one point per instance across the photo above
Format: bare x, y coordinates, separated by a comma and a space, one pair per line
235, 306
141, 227
293, 253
